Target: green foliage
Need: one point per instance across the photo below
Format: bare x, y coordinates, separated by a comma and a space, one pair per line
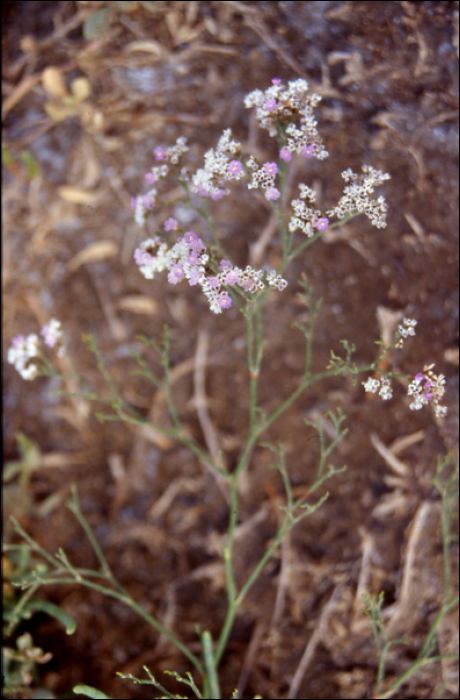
24, 165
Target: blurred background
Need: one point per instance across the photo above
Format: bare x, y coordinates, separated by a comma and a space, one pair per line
89, 89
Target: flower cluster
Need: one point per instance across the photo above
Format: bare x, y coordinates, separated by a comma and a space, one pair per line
305, 217
291, 105
383, 386
356, 196
188, 259
405, 330
426, 388
172, 155
220, 165
25, 352
264, 176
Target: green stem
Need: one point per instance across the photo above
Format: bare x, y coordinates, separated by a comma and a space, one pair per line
74, 506
213, 689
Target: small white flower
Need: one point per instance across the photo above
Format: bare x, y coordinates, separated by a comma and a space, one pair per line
371, 385
386, 392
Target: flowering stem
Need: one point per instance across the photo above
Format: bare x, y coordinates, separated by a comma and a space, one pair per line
254, 322
284, 233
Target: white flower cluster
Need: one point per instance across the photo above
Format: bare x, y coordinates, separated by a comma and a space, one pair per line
263, 176
173, 154
405, 330
24, 352
208, 181
356, 197
142, 204
428, 388
279, 105
20, 354
383, 386
275, 280
304, 217
305, 139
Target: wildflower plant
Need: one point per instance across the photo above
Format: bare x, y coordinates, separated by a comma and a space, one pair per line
197, 258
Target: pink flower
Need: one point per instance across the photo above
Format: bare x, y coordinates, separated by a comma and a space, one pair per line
272, 193
270, 105
176, 274
308, 151
170, 224
194, 277
234, 168
141, 256
225, 300
322, 224
133, 202
271, 168
248, 285
190, 238
419, 378
276, 81
201, 191
159, 153
150, 178
193, 241
17, 341
285, 154
232, 277
225, 265
215, 196
147, 201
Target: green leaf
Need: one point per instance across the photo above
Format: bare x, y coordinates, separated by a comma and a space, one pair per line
30, 458
31, 164
54, 611
90, 692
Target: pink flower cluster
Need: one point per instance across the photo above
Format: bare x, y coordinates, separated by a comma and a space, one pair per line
188, 259
427, 388
171, 156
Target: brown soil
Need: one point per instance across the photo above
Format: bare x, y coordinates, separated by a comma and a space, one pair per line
388, 74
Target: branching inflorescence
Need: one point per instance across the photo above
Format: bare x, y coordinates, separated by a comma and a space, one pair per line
287, 113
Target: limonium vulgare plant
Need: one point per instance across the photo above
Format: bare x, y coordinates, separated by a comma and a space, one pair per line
197, 258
